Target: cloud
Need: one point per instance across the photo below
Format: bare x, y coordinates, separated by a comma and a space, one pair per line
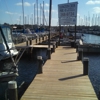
96, 9
25, 4
9, 13
92, 2
46, 4
54, 11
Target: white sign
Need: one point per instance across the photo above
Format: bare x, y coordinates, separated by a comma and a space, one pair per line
68, 21
68, 12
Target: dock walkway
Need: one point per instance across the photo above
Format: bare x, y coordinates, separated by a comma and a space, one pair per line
62, 79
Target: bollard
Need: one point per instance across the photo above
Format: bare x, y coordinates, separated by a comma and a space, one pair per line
36, 40
39, 39
49, 53
85, 65
56, 44
26, 43
76, 47
43, 38
72, 44
30, 42
40, 63
59, 42
12, 90
80, 54
53, 47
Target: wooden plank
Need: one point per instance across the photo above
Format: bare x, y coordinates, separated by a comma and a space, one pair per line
62, 79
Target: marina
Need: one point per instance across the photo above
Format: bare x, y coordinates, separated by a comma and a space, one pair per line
52, 52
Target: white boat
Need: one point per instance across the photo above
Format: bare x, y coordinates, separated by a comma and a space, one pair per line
7, 51
7, 47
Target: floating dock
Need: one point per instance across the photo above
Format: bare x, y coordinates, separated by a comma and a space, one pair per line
62, 79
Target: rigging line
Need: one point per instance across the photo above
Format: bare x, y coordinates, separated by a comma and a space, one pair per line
8, 10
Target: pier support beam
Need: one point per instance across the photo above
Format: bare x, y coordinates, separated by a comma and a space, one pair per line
49, 53
40, 63
72, 44
12, 90
53, 47
80, 54
56, 44
26, 43
85, 65
36, 40
30, 42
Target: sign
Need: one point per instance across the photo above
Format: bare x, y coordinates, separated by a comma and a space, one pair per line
67, 13
68, 21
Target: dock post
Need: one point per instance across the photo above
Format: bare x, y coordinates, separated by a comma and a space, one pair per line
56, 44
39, 39
80, 54
85, 65
36, 40
72, 44
76, 47
26, 43
40, 63
30, 42
49, 53
12, 90
53, 47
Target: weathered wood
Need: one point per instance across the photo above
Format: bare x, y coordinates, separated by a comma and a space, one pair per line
62, 79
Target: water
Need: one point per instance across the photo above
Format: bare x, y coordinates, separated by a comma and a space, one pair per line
94, 62
89, 38
28, 68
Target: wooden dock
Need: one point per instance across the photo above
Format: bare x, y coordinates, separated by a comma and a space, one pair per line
62, 79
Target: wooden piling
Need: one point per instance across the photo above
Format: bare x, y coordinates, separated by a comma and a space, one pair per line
49, 53
40, 63
80, 54
85, 65
12, 90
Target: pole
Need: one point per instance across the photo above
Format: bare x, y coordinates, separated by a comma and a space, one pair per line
75, 32
43, 13
34, 14
68, 1
37, 12
23, 14
50, 8
40, 13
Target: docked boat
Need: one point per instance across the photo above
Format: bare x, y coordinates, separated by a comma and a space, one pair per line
7, 52
7, 47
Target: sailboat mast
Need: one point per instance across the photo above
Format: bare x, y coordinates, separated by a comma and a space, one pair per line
23, 13
43, 13
40, 13
37, 12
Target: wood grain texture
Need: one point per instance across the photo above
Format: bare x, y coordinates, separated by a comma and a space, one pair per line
62, 79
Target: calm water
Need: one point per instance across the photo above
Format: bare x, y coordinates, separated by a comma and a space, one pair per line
89, 38
94, 62
28, 68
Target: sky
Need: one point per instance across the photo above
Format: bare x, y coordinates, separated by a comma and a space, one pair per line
11, 11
